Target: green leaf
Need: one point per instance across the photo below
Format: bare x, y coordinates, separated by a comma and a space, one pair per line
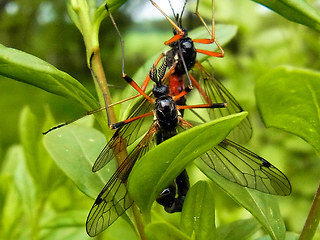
29, 136
289, 236
288, 99
29, 69
87, 17
5, 185
66, 225
27, 191
20, 202
10, 206
161, 230
165, 162
198, 213
240, 230
101, 12
294, 10
262, 206
74, 148
38, 162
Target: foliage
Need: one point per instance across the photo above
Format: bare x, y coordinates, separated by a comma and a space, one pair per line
39, 176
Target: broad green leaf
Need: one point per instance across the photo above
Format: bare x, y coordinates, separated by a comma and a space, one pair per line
121, 230
240, 230
198, 213
74, 148
95, 13
53, 174
29, 69
87, 16
29, 137
10, 161
66, 225
161, 230
38, 162
101, 12
289, 236
28, 195
157, 169
19, 195
5, 185
262, 206
288, 99
295, 10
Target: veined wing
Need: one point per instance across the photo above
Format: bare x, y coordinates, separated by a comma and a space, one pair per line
241, 166
218, 93
125, 135
114, 198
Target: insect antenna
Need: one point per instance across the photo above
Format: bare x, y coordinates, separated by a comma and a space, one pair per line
154, 75
182, 11
120, 36
173, 12
162, 71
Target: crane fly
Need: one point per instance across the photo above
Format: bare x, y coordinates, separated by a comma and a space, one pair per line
114, 199
182, 65
228, 159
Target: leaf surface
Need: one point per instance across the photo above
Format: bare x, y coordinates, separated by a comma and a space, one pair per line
288, 99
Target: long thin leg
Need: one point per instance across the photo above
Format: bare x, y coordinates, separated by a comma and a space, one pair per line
103, 92
122, 123
121, 39
135, 86
124, 75
145, 83
211, 33
180, 33
67, 123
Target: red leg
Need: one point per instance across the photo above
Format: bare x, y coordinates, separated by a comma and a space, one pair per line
122, 123
200, 90
180, 32
212, 34
135, 86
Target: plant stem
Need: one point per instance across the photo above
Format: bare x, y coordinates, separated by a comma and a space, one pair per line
89, 31
90, 38
139, 221
100, 78
313, 218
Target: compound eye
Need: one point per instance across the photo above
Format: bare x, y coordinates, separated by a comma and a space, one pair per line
175, 31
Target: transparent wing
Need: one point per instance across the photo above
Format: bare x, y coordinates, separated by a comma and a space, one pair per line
114, 198
125, 135
218, 93
241, 166
141, 126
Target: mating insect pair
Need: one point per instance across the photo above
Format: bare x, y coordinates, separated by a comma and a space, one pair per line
166, 103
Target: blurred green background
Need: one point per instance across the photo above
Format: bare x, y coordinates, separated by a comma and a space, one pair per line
264, 40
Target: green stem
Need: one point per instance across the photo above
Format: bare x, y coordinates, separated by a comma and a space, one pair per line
312, 221
139, 221
89, 29
90, 37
